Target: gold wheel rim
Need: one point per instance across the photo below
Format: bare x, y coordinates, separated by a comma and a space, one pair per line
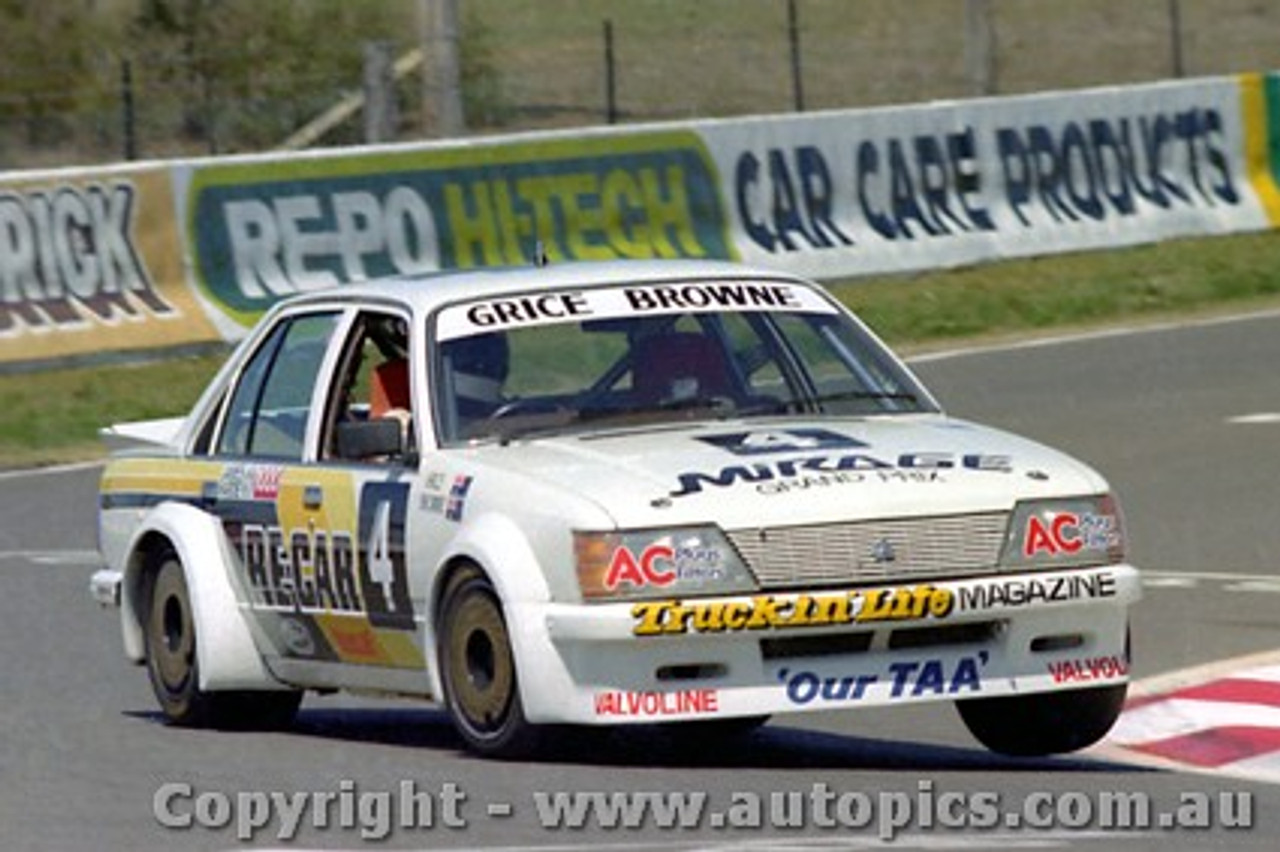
481, 671
173, 639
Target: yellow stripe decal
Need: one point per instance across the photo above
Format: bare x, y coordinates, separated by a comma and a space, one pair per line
1256, 115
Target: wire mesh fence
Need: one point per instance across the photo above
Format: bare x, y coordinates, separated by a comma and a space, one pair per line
226, 81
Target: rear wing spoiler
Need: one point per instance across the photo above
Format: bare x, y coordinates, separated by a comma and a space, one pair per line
152, 435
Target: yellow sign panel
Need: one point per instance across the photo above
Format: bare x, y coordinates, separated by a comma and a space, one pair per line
92, 263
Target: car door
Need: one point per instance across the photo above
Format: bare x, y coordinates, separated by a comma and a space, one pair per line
318, 539
357, 494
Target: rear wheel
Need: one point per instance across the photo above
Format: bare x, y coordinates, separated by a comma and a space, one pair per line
1043, 723
478, 670
173, 666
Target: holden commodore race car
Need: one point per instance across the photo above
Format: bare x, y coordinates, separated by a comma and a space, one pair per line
605, 494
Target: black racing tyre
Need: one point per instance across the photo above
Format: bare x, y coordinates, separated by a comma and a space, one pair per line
477, 669
171, 647
170, 636
1044, 723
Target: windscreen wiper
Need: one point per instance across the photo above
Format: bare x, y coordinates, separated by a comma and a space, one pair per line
843, 396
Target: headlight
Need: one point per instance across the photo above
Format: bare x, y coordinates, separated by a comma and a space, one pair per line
658, 563
1064, 533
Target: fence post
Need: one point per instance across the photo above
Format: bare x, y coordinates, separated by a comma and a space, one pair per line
793, 37
380, 117
210, 113
1175, 37
442, 67
127, 117
980, 47
610, 78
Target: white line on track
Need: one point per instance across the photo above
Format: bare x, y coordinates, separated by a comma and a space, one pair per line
54, 557
1094, 334
48, 471
1262, 418
1229, 582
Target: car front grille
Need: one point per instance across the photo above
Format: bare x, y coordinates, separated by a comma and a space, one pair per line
898, 550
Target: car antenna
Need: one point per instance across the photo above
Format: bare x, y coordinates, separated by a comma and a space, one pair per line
540, 254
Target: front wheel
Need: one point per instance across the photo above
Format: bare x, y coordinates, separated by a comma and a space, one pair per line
1043, 723
478, 670
172, 665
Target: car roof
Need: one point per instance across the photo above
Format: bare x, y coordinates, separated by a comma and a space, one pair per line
426, 291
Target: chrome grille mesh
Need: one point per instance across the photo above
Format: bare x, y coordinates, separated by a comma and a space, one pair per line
870, 551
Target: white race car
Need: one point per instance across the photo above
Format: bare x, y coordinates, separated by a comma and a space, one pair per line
604, 494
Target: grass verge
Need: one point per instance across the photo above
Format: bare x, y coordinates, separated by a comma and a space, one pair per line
53, 416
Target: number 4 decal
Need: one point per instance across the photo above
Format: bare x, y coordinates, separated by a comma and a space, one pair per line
378, 552
383, 570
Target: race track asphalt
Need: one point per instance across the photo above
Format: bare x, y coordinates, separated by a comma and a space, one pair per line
1177, 419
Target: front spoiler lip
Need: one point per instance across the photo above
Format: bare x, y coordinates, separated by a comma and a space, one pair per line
105, 585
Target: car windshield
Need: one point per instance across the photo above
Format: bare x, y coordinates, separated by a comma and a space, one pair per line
596, 359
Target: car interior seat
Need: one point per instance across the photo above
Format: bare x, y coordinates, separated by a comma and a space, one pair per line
389, 388
676, 366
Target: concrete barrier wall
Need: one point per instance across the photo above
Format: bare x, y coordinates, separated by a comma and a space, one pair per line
161, 254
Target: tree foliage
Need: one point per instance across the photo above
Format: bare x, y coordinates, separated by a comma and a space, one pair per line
247, 72
208, 76
51, 65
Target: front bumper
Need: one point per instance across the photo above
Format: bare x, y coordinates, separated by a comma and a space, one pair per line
105, 586
778, 653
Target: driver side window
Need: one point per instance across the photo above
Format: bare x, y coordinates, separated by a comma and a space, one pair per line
372, 385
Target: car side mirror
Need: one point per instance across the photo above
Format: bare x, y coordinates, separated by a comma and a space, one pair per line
364, 439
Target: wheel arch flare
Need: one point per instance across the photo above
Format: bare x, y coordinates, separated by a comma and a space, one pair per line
226, 655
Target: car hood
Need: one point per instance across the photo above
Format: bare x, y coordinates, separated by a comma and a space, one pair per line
743, 474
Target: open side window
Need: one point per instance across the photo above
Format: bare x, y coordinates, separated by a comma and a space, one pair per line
371, 391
